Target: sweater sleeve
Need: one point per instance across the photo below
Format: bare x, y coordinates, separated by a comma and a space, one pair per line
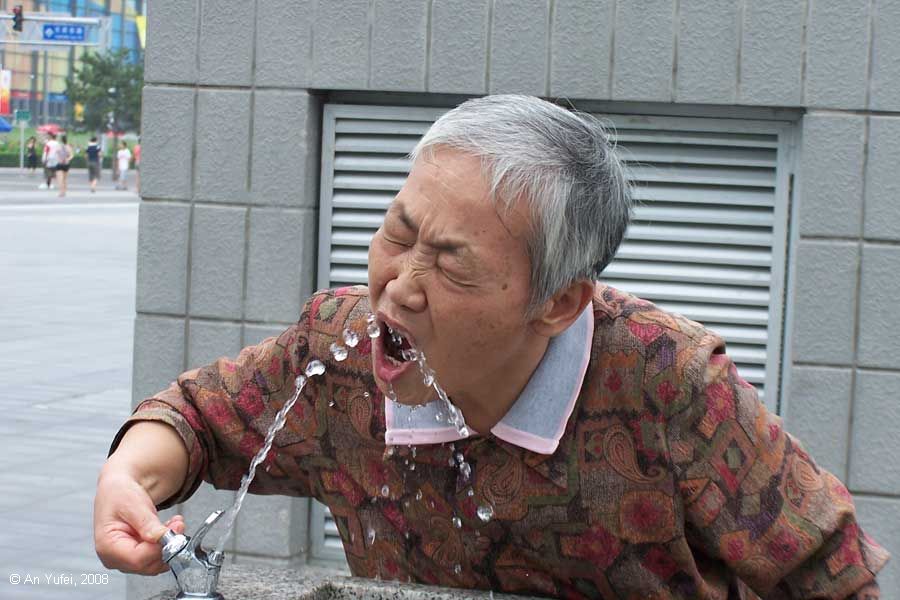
755, 500
223, 411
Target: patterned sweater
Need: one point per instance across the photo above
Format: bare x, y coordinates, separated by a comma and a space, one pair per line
671, 479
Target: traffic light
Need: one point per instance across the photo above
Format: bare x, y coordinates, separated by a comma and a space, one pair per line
17, 17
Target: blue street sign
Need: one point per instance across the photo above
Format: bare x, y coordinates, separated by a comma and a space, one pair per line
54, 32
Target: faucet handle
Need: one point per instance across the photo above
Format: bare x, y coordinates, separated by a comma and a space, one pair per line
197, 538
172, 544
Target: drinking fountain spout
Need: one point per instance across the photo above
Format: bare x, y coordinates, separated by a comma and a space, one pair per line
196, 571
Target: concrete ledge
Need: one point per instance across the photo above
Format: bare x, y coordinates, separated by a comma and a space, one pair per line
243, 582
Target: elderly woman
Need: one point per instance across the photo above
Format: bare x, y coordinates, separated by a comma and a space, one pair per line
610, 449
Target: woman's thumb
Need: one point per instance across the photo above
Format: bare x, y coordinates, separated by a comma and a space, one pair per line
148, 526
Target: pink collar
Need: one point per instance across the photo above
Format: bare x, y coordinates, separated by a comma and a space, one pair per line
536, 420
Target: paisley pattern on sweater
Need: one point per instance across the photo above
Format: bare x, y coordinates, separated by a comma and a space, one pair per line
670, 481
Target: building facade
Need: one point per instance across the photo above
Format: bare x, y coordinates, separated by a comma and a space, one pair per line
28, 66
762, 137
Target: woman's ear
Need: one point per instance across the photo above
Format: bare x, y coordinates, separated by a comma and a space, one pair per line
560, 311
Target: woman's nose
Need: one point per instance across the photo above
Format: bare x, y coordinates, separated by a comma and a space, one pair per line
406, 292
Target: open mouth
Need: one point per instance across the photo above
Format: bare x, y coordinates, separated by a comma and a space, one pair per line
397, 348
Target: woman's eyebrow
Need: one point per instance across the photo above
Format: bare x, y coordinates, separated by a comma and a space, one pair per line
455, 246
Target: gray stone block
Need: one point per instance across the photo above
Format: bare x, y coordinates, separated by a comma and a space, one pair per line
831, 171
283, 42
273, 526
399, 37
824, 322
580, 52
341, 45
518, 60
879, 325
162, 257
226, 43
772, 53
708, 52
873, 460
884, 92
217, 262
878, 517
158, 354
281, 265
882, 183
642, 60
254, 334
837, 54
459, 42
211, 340
223, 143
199, 506
286, 141
167, 143
818, 414
171, 54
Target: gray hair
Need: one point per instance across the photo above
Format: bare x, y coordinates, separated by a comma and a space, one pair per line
562, 164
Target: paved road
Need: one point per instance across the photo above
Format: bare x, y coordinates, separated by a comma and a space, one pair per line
67, 272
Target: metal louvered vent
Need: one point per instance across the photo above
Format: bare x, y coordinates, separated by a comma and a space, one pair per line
708, 239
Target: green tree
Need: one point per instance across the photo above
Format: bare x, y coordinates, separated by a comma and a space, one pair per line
109, 86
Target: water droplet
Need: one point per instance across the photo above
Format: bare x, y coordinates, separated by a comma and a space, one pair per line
406, 534
315, 367
465, 471
412, 467
428, 378
385, 491
373, 331
438, 418
371, 318
351, 338
338, 352
370, 536
331, 403
413, 451
389, 451
366, 395
451, 462
470, 493
299, 382
485, 512
419, 495
457, 522
457, 568
268, 468
460, 458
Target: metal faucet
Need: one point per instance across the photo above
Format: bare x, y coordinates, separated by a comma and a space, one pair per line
196, 571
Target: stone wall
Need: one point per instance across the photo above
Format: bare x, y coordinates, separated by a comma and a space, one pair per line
228, 221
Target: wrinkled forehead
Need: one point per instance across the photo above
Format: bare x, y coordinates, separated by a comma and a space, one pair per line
466, 180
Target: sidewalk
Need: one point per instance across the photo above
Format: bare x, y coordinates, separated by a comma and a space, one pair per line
65, 360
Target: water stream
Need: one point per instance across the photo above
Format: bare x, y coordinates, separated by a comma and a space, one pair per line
315, 367
449, 413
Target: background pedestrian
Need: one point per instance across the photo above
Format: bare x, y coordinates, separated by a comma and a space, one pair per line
123, 158
93, 162
64, 159
31, 159
50, 159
